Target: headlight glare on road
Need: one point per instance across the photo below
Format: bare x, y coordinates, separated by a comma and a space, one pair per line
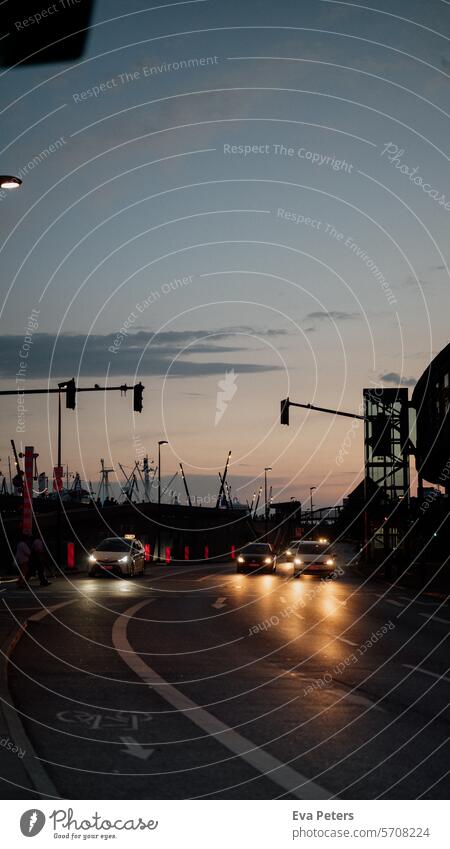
92, 559
241, 559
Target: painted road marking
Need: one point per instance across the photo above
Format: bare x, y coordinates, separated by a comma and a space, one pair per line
266, 764
356, 699
220, 602
432, 618
136, 749
344, 640
297, 615
36, 617
121, 721
394, 603
32, 763
418, 601
214, 575
426, 672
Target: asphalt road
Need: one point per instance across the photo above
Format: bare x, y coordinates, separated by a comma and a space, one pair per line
196, 682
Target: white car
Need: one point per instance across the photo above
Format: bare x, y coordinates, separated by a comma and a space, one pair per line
119, 556
307, 556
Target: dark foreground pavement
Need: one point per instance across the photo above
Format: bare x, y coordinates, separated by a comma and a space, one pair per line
196, 682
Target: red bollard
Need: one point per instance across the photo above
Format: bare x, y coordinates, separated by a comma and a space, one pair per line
206, 552
186, 552
167, 555
233, 552
147, 552
70, 555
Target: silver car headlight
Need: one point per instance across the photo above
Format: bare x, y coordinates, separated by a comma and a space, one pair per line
124, 559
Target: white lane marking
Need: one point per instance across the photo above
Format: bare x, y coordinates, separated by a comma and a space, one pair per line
274, 770
220, 602
354, 698
344, 640
36, 617
394, 603
136, 749
214, 575
432, 618
418, 601
426, 672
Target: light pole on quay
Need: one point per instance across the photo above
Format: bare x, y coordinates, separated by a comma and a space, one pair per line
311, 490
160, 442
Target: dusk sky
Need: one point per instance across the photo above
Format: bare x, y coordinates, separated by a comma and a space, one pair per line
251, 186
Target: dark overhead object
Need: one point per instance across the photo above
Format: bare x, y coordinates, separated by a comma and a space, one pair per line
35, 32
7, 181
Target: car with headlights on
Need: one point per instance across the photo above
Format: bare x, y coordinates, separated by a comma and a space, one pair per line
120, 556
307, 556
255, 557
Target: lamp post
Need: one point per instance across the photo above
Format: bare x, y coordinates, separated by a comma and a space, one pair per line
266, 506
311, 490
161, 442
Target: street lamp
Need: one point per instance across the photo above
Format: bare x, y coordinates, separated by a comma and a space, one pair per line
161, 442
311, 490
266, 506
9, 182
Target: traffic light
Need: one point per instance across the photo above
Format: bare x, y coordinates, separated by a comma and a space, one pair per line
71, 392
284, 417
138, 391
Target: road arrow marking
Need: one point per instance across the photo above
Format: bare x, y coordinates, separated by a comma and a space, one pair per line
345, 640
134, 748
426, 672
220, 602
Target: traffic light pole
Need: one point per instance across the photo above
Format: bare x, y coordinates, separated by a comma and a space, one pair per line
284, 418
71, 391
286, 403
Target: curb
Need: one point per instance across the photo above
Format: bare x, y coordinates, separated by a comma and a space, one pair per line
40, 781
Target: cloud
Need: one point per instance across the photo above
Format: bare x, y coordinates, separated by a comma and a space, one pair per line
127, 354
394, 377
331, 315
411, 281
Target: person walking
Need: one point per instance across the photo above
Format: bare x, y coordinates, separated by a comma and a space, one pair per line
37, 561
30, 559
